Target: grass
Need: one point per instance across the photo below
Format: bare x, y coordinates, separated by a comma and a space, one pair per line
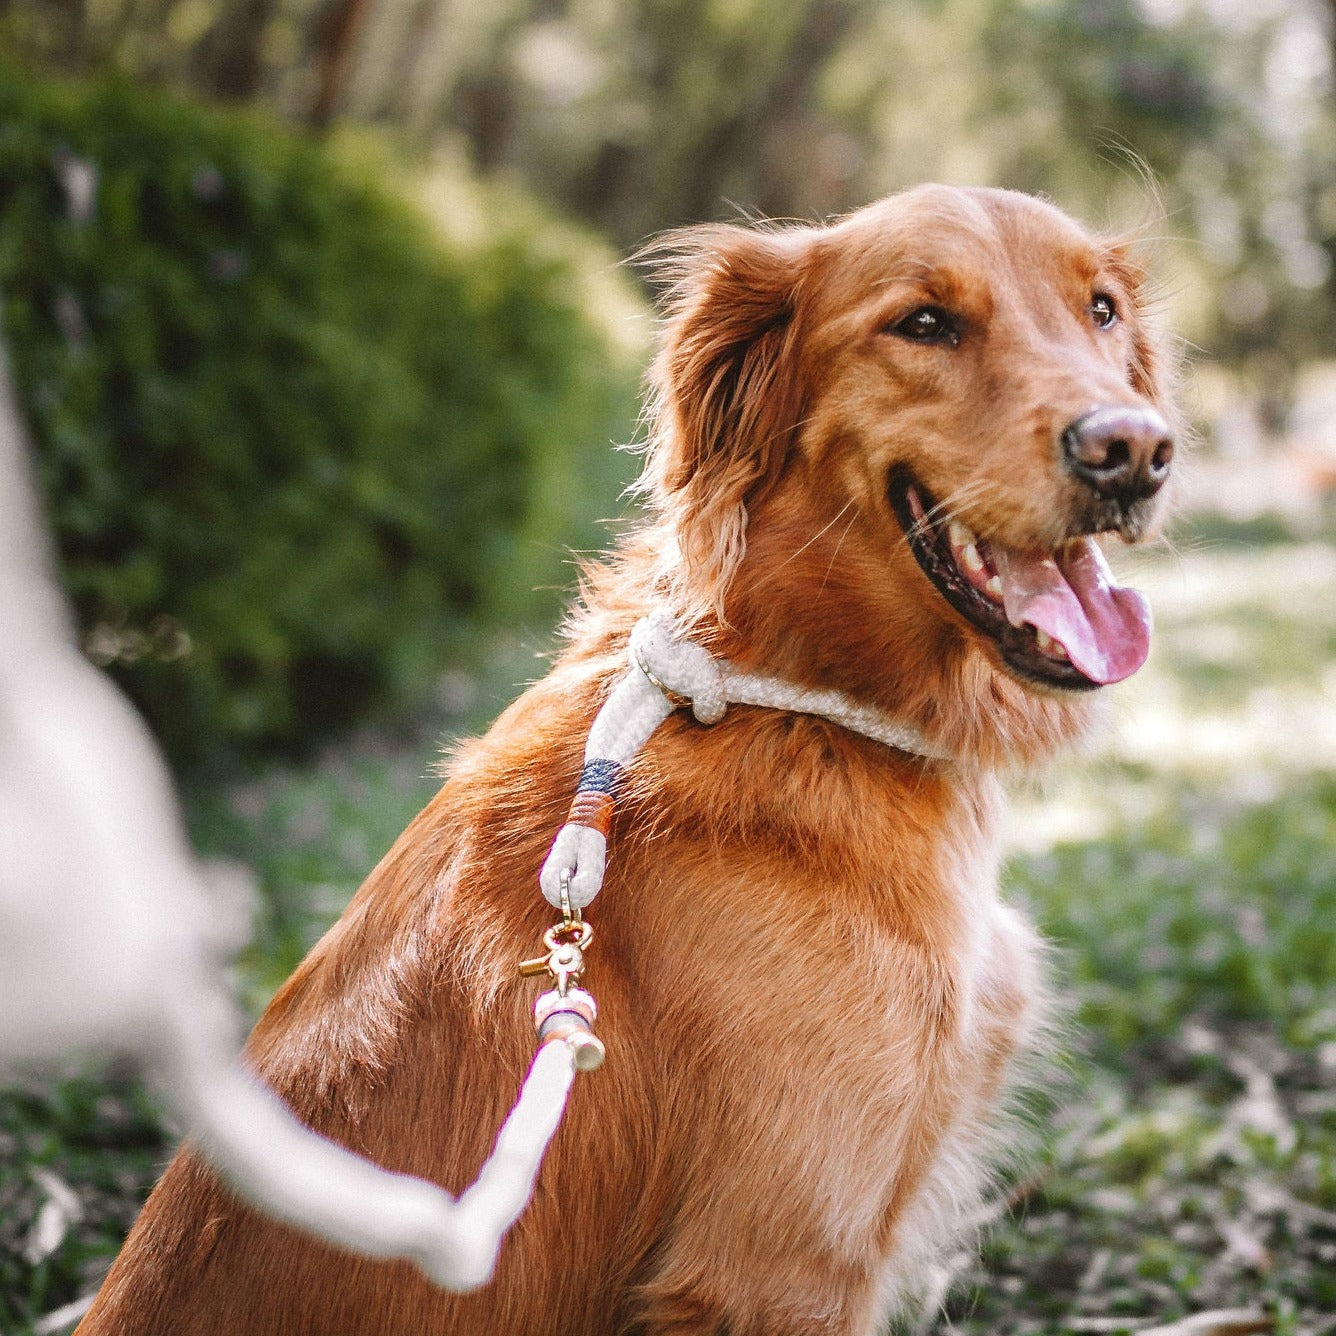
1193, 1166
1186, 872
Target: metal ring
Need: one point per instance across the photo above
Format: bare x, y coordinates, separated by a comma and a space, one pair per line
579, 933
675, 698
569, 914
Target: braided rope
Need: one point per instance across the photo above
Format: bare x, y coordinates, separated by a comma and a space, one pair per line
666, 671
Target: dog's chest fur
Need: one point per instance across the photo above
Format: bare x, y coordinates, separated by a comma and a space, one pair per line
836, 1000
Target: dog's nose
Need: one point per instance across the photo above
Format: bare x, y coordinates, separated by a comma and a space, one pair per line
1122, 452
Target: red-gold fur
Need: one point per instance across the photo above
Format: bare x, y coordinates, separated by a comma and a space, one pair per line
808, 988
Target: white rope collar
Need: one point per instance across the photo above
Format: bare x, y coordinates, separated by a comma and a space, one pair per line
667, 671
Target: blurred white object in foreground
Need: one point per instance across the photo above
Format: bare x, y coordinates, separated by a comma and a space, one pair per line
105, 943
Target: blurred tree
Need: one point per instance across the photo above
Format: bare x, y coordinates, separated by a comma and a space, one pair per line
336, 29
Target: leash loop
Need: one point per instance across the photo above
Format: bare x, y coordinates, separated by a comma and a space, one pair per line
674, 698
569, 913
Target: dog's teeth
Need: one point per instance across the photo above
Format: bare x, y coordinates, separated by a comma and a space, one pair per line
1047, 645
994, 587
971, 560
961, 535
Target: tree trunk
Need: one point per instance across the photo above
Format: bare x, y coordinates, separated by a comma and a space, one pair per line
229, 61
338, 26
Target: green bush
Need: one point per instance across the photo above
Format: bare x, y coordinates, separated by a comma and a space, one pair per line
287, 435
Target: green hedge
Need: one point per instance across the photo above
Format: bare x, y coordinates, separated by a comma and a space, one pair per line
287, 436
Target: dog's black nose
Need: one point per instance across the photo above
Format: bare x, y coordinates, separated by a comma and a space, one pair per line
1122, 452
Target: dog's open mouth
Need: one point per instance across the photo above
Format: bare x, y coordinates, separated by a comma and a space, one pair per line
1056, 617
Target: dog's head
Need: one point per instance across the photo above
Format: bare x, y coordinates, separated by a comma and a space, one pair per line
885, 451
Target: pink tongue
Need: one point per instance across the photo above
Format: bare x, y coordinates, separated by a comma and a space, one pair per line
1104, 628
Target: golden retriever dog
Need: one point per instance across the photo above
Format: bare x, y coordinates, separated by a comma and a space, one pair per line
883, 456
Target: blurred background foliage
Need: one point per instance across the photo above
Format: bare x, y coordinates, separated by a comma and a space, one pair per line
265, 395
317, 316
336, 313
635, 115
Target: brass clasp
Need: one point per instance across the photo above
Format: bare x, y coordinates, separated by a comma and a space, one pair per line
566, 1012
565, 943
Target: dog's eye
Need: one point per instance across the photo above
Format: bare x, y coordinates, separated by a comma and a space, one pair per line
928, 324
1102, 310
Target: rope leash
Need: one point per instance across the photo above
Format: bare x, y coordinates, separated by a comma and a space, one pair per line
666, 673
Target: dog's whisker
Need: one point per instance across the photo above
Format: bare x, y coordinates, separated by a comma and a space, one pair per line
830, 566
948, 508
816, 537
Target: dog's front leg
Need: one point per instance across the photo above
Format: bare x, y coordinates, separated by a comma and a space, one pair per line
808, 1300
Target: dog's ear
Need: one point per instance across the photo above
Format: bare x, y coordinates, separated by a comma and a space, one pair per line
727, 391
